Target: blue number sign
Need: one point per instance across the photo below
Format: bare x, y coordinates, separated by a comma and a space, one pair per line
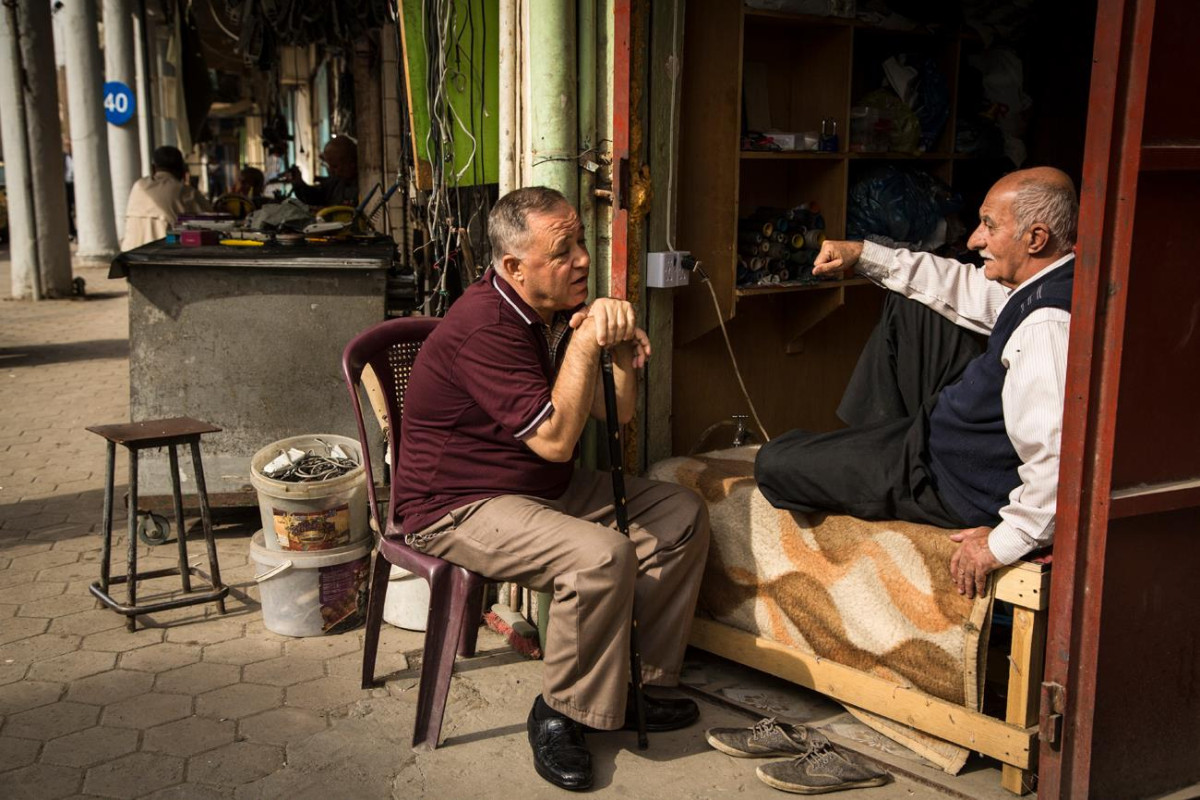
118, 103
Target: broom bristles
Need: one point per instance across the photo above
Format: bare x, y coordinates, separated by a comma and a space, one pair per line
523, 645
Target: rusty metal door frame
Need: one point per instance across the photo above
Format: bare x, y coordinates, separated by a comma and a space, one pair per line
1112, 157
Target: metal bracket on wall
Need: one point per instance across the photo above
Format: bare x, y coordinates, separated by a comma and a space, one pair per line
1053, 706
622, 184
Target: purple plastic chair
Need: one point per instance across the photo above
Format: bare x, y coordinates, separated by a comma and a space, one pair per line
455, 594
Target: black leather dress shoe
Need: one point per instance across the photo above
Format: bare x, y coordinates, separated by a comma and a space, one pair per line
663, 713
560, 754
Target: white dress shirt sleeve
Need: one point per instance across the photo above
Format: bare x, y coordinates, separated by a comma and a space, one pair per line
1034, 390
1034, 386
957, 291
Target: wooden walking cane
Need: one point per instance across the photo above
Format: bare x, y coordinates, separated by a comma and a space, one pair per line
622, 513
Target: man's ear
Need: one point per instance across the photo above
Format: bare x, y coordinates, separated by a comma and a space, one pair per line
1039, 239
512, 267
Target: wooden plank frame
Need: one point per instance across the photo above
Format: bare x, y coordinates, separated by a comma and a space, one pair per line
1012, 741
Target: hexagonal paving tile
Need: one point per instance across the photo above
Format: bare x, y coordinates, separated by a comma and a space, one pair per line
11, 673
22, 628
134, 775
85, 622
190, 791
59, 605
282, 725
11, 577
85, 568
235, 764
325, 693
36, 648
45, 560
19, 549
319, 648
110, 687
208, 631
239, 700
350, 665
51, 721
28, 694
197, 679
28, 592
190, 737
72, 666
92, 746
160, 657
243, 651
187, 737
119, 640
283, 671
148, 710
43, 781
17, 752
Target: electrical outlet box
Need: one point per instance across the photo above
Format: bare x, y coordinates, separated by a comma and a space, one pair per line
665, 270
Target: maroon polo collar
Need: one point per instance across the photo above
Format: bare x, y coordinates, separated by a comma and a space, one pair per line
516, 302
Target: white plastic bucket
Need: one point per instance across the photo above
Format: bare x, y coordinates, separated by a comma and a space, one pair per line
406, 604
318, 515
315, 592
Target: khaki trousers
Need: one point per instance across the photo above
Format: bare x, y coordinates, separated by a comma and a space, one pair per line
570, 547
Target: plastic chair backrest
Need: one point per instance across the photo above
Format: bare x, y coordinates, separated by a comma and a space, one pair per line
390, 349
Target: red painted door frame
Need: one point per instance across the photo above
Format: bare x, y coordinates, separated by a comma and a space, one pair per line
622, 61
1138, 148
1115, 109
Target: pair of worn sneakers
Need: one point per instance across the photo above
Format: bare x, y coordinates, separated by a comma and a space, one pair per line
815, 766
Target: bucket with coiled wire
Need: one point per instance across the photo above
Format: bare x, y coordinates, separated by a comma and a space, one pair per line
312, 492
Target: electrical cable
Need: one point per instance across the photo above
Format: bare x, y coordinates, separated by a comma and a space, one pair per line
729, 346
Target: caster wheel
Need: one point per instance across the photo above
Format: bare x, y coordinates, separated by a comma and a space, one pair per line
153, 529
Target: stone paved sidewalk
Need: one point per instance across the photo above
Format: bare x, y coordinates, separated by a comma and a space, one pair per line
196, 705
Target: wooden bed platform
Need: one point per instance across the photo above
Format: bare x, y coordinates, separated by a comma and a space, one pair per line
1011, 741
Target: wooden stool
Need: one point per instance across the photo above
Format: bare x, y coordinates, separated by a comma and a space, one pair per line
137, 436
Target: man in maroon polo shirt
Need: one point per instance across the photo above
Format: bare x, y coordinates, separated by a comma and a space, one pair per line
494, 410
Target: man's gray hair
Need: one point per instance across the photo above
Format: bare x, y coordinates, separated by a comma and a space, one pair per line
508, 229
1053, 204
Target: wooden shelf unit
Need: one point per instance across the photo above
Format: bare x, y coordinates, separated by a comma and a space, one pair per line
813, 68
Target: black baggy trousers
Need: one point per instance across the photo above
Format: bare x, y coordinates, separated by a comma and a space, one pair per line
878, 467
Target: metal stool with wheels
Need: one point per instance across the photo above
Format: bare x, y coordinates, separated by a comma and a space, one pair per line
136, 436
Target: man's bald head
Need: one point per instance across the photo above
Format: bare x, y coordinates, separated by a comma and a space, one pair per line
1046, 195
341, 156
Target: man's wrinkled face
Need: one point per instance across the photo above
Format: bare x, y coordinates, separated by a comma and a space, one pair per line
1004, 253
555, 265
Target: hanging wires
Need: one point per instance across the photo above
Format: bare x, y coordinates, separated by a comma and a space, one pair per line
452, 77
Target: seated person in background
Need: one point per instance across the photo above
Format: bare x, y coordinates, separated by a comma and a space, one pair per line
245, 196
940, 432
494, 409
156, 201
340, 188
249, 183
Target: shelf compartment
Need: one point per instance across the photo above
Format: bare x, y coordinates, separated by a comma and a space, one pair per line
783, 288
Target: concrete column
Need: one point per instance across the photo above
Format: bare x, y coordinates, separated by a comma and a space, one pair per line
123, 157
19, 189
89, 140
142, 90
44, 139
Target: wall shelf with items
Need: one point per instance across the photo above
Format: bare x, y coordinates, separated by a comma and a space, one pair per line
742, 68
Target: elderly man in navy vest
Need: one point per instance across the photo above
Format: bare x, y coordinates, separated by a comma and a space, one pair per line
943, 430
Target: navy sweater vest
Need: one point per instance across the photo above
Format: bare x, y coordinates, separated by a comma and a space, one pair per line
973, 459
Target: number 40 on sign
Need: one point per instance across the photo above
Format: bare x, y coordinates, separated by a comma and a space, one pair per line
118, 103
